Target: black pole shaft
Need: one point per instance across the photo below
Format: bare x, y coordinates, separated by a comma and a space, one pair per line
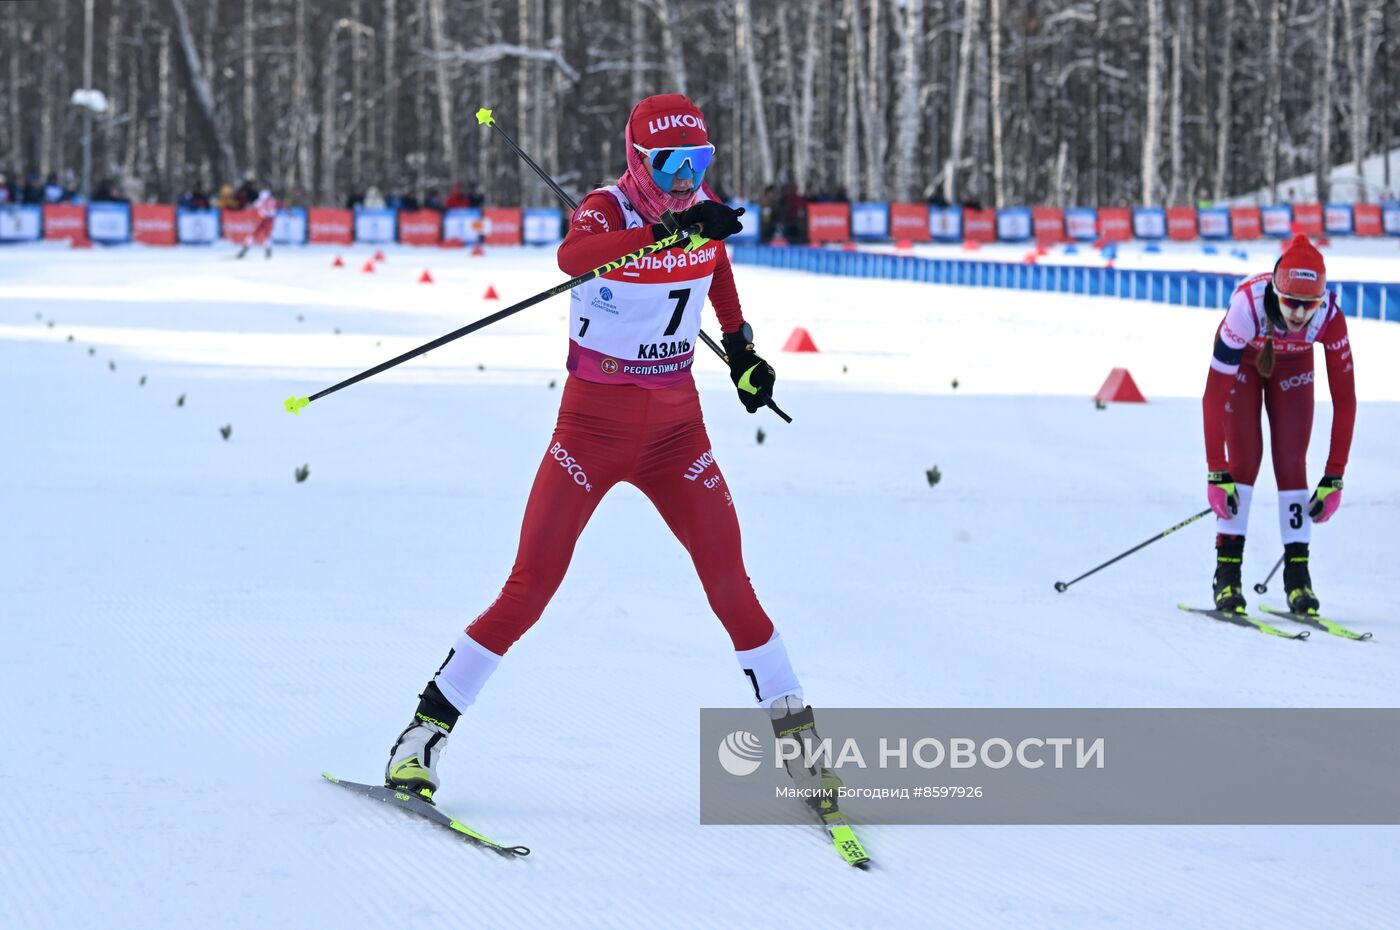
1263, 586
514, 308
569, 202
1062, 585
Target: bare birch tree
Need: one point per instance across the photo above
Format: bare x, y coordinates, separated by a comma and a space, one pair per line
1152, 121
910, 85
971, 12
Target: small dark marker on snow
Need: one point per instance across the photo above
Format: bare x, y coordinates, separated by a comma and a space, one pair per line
50, 324
302, 473
142, 382
337, 330
111, 365
225, 431
1100, 405
180, 401
91, 351
480, 367
70, 337
933, 475
761, 436
551, 384
300, 318
955, 384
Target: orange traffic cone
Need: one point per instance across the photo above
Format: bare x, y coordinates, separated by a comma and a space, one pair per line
1120, 388
378, 255
491, 293
800, 341
368, 266
338, 263
425, 278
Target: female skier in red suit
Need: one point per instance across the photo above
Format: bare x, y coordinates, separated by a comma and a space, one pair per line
630, 413
1264, 358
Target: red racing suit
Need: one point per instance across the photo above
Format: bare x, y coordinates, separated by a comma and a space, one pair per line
1236, 391
630, 412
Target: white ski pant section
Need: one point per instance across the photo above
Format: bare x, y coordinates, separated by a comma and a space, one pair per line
1238, 525
1294, 524
464, 675
770, 671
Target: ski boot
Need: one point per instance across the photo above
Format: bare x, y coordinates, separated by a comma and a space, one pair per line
413, 760
1297, 581
820, 784
1229, 590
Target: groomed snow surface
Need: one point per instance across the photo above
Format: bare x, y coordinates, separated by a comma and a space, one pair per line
190, 636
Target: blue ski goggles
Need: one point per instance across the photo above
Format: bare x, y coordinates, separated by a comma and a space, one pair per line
689, 161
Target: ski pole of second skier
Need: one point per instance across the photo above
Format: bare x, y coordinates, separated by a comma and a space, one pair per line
295, 404
1061, 586
1263, 586
486, 117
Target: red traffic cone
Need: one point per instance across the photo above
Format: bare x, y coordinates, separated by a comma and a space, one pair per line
338, 263
478, 250
491, 293
425, 277
903, 245
368, 266
1120, 388
1029, 258
800, 341
971, 245
378, 255
845, 246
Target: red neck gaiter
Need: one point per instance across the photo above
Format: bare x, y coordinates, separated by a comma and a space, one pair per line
663, 121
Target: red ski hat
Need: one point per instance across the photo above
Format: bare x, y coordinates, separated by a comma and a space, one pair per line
1300, 271
667, 121
662, 121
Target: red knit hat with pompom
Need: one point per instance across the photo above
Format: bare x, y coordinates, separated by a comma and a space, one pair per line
1300, 271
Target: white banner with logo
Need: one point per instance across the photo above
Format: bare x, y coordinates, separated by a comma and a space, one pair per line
375, 224
462, 224
289, 228
109, 222
542, 225
20, 222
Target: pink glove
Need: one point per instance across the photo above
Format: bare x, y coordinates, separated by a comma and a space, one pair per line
1326, 499
1221, 493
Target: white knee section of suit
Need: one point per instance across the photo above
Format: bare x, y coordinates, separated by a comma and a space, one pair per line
461, 678
1238, 525
770, 671
1294, 524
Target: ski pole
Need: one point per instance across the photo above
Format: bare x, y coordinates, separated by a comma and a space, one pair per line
1062, 585
485, 117
294, 404
1263, 586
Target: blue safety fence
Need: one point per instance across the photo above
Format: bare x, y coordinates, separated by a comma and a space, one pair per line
1186, 288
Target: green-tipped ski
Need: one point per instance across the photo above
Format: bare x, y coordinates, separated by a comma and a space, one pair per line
1313, 619
1240, 618
427, 811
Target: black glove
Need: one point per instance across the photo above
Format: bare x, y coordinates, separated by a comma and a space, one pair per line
716, 221
751, 375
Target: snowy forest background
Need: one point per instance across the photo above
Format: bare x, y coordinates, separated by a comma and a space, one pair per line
1002, 101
